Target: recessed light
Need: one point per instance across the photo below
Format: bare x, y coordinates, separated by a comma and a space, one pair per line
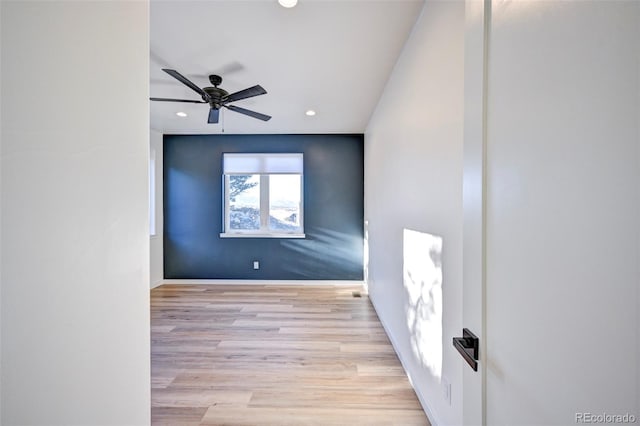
181, 114
288, 3
310, 113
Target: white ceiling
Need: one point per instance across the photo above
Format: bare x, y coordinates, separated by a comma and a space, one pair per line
330, 56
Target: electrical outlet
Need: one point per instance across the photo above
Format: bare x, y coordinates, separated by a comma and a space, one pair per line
446, 389
256, 264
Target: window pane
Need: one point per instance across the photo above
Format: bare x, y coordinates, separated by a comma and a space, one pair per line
244, 202
284, 202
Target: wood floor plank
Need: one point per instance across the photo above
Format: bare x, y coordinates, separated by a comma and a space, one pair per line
178, 416
270, 416
273, 355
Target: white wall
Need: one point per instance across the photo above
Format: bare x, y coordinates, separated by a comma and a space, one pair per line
156, 243
562, 211
0, 218
75, 247
413, 180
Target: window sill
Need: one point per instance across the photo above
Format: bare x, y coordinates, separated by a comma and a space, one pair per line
259, 235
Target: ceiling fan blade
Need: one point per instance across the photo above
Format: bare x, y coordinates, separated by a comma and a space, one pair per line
184, 80
177, 100
214, 115
244, 94
248, 112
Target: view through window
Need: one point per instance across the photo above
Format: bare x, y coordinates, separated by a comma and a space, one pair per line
263, 195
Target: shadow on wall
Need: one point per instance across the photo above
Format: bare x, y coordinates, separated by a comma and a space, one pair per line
422, 279
339, 251
185, 201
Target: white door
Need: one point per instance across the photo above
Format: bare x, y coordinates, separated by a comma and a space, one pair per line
551, 207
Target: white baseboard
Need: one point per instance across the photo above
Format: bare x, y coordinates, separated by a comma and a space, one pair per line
423, 402
267, 282
157, 283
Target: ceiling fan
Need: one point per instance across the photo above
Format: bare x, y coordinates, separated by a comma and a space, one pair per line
217, 97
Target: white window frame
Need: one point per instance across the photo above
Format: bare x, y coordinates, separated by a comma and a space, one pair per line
264, 231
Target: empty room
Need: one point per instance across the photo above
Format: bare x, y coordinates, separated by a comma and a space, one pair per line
323, 212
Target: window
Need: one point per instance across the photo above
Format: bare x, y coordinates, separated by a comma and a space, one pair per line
263, 195
152, 192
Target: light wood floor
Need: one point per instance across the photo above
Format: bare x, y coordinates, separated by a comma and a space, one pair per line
273, 355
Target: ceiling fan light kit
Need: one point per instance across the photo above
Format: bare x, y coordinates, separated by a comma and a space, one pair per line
217, 97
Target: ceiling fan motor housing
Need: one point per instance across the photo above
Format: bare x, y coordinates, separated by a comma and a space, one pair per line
215, 96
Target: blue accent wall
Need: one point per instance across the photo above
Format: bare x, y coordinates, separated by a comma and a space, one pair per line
333, 210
